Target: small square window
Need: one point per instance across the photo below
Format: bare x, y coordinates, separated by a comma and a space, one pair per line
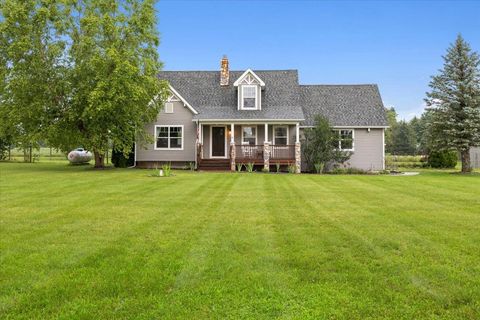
168, 107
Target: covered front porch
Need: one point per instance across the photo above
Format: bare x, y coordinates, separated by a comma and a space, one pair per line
224, 145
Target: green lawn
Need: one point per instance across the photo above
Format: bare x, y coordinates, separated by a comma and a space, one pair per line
118, 244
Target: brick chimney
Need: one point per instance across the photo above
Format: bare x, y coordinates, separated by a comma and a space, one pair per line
224, 73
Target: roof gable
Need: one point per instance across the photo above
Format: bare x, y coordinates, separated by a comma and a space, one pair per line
175, 96
249, 77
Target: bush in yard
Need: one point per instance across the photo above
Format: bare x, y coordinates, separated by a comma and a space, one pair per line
119, 160
442, 159
320, 145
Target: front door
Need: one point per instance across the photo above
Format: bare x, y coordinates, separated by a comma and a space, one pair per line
218, 142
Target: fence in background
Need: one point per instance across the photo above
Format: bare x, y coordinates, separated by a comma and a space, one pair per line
42, 154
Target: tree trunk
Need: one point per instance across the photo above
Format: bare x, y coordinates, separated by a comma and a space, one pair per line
465, 155
99, 160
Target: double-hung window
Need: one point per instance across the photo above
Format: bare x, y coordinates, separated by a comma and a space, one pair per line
345, 140
249, 96
249, 135
280, 135
169, 137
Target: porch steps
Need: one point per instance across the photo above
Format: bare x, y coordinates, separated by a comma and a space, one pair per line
214, 164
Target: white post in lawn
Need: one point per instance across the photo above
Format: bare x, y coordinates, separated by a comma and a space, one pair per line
266, 132
232, 147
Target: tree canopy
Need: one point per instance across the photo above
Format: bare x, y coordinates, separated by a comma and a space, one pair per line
79, 73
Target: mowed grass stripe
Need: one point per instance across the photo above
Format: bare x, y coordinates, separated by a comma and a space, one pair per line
361, 229
112, 243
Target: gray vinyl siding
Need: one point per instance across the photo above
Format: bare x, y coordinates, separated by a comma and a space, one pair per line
368, 149
475, 157
180, 116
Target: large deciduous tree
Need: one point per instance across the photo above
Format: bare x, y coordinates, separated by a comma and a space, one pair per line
454, 100
79, 73
32, 68
114, 74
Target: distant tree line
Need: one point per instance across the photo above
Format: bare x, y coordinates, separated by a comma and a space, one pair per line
406, 137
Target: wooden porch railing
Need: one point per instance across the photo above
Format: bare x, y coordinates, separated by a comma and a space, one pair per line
285, 152
249, 152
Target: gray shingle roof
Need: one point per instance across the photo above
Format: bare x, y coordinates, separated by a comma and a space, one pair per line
343, 105
203, 92
282, 98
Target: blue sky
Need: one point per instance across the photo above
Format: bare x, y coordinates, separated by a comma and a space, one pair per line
396, 44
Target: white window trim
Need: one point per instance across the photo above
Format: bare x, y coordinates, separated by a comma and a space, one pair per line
243, 96
340, 142
168, 126
211, 144
281, 126
256, 134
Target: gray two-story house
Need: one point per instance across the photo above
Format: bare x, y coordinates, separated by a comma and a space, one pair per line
220, 118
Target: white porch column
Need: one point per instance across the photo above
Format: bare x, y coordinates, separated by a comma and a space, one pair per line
232, 147
201, 142
297, 133
266, 132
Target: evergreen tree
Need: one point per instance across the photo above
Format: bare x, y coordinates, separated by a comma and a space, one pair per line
455, 102
404, 140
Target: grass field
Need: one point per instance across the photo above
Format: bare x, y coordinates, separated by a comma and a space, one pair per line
118, 244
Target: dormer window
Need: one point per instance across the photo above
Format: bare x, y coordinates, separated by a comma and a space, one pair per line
250, 87
249, 97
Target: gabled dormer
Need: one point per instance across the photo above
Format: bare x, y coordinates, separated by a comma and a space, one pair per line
249, 87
